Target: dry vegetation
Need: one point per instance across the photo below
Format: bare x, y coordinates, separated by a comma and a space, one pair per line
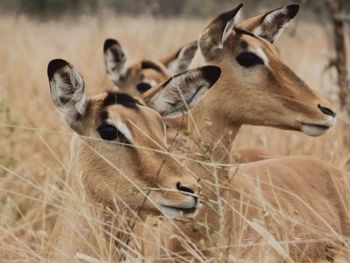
34, 150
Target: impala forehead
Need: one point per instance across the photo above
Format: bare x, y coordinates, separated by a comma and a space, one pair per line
144, 120
262, 48
143, 65
152, 73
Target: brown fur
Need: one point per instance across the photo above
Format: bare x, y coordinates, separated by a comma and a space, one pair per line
270, 96
136, 74
127, 76
297, 193
99, 181
277, 97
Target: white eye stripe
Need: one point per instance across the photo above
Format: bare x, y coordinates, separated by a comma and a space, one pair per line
262, 55
122, 128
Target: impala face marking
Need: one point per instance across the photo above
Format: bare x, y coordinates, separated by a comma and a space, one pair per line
261, 54
284, 89
122, 99
130, 137
148, 64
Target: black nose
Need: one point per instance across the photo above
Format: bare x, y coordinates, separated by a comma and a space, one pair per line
184, 188
326, 110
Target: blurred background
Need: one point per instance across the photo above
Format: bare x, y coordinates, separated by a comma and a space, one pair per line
52, 9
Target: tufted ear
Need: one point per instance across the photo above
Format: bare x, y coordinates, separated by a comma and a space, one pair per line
115, 60
67, 92
181, 60
271, 24
216, 33
183, 91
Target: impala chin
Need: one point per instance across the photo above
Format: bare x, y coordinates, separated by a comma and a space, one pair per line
188, 208
317, 129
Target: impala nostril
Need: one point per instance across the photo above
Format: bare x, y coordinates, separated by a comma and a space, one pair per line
326, 110
183, 188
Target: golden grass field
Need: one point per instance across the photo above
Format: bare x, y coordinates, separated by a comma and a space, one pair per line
34, 149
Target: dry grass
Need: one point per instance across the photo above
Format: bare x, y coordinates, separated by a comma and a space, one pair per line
35, 140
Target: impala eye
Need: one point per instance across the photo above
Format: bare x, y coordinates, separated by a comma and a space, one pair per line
248, 59
142, 87
109, 133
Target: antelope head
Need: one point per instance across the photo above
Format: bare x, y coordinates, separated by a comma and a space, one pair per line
135, 78
121, 147
256, 87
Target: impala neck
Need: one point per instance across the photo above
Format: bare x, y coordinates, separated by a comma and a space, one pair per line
208, 124
210, 133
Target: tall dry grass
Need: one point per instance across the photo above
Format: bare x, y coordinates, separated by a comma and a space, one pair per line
34, 151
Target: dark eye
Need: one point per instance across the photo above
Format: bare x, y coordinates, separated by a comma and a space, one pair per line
143, 87
248, 59
109, 133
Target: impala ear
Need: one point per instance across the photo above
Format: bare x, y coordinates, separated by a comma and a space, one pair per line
217, 32
67, 92
183, 91
115, 60
182, 59
271, 24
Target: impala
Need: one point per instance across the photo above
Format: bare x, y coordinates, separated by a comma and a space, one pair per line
138, 77
255, 87
301, 194
118, 151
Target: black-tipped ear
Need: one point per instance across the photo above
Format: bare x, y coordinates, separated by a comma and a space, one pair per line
67, 92
211, 74
182, 59
109, 42
115, 60
55, 65
293, 10
271, 24
183, 91
217, 32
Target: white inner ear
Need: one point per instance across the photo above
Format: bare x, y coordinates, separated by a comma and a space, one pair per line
123, 129
116, 69
270, 17
181, 94
230, 25
72, 91
183, 60
78, 97
267, 24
